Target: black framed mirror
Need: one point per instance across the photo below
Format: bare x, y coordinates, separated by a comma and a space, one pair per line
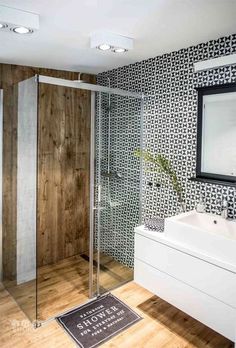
216, 134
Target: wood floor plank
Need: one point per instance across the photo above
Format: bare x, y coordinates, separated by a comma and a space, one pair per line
65, 285
163, 326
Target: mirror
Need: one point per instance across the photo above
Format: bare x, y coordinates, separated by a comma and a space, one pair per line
216, 133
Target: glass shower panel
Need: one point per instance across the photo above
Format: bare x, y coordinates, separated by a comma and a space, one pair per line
64, 122
19, 192
118, 129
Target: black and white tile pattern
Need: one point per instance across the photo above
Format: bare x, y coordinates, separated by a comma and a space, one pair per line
170, 119
120, 192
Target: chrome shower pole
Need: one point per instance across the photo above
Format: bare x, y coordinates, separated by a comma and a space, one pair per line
92, 181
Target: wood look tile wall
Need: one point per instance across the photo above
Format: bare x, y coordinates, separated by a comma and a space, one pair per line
63, 187
9, 188
63, 183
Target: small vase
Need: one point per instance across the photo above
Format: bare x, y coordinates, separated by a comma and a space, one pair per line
182, 208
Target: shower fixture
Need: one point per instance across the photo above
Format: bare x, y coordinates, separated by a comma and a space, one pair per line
79, 79
108, 107
110, 175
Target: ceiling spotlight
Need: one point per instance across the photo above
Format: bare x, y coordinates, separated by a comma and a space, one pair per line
22, 30
104, 47
119, 50
18, 21
2, 26
106, 41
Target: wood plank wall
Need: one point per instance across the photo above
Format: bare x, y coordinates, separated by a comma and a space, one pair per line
67, 146
64, 158
9, 189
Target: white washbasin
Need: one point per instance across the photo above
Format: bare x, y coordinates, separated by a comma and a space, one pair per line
206, 233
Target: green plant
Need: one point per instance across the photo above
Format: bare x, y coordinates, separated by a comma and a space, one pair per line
162, 165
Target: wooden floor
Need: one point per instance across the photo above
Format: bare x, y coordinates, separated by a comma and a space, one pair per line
65, 285
163, 326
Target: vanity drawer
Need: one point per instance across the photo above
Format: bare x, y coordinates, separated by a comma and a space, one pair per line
211, 279
208, 310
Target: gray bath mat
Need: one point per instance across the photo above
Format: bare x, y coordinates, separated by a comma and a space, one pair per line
98, 321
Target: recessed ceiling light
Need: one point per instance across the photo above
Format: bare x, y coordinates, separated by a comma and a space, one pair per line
104, 47
2, 26
22, 30
119, 50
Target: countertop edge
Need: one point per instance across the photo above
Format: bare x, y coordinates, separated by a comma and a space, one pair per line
161, 238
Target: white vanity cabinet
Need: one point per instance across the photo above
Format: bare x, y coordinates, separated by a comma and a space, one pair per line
195, 283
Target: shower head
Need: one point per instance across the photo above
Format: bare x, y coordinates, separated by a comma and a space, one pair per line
108, 108
115, 175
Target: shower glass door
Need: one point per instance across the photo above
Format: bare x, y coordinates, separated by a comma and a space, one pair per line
54, 258
118, 130
64, 120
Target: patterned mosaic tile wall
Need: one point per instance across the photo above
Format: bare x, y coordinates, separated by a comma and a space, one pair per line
121, 189
170, 123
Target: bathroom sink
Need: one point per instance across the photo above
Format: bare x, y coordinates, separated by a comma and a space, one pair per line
207, 233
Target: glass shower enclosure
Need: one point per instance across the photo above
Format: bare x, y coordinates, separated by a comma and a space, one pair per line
75, 193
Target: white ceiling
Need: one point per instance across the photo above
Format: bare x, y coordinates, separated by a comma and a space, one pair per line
157, 26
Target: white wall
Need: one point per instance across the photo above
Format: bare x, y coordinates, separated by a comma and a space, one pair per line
26, 180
